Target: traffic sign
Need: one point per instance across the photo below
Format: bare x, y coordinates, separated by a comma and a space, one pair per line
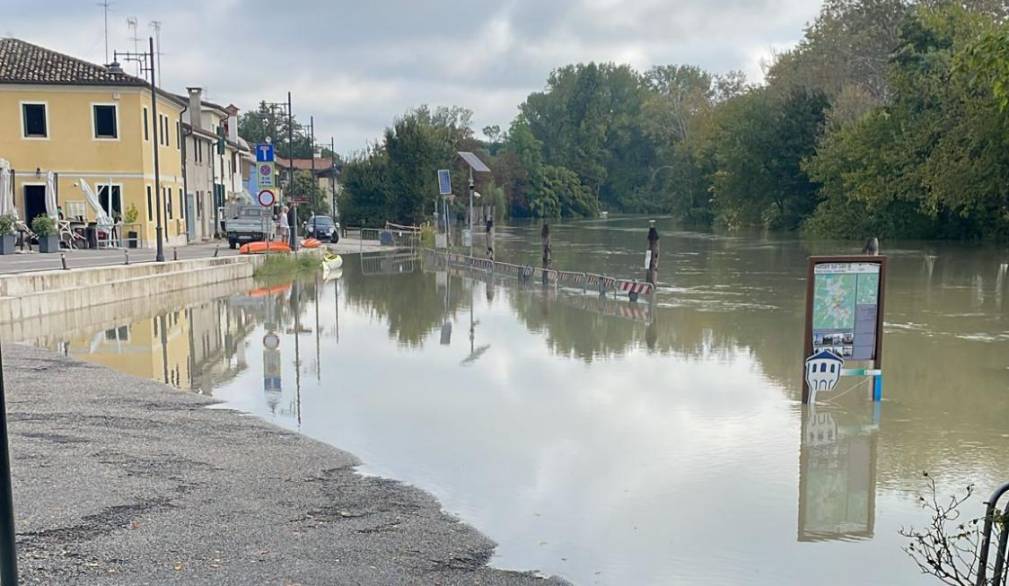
264, 153
266, 198
264, 175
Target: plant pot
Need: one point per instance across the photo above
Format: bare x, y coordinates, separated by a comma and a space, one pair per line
132, 238
49, 243
8, 244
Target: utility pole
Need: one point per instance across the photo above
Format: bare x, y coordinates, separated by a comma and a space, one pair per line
290, 174
8, 545
160, 256
332, 172
311, 139
147, 63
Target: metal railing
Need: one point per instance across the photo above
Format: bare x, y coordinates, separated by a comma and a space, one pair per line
994, 517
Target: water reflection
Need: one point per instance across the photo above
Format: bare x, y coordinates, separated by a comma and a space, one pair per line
603, 441
837, 473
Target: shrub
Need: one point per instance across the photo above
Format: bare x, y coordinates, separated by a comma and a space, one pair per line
43, 226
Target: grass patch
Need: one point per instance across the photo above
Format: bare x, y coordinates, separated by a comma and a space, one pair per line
288, 265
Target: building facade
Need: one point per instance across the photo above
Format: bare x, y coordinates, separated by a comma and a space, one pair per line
90, 123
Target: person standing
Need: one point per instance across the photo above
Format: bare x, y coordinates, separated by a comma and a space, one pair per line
282, 231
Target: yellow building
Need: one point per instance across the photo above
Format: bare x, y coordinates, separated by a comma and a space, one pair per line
93, 123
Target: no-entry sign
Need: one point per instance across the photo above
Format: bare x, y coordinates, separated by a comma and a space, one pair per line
267, 198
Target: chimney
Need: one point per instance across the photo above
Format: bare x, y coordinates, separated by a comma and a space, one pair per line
195, 108
114, 67
232, 111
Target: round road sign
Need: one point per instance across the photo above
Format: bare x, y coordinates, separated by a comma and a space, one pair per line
266, 198
271, 341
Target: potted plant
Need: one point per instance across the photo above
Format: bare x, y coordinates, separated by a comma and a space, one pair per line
8, 239
130, 219
45, 228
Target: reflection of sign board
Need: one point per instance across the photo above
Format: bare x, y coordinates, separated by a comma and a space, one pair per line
264, 153
444, 182
441, 240
266, 198
271, 341
264, 175
837, 477
844, 308
271, 370
648, 259
467, 238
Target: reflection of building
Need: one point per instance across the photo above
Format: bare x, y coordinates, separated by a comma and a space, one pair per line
155, 348
837, 476
216, 356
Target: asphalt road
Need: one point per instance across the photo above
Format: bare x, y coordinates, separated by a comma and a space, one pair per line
119, 480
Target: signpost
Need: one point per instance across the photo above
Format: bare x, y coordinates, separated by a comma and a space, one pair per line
264, 153
266, 198
264, 175
844, 317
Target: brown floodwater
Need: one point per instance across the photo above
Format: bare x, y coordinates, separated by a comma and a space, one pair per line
606, 442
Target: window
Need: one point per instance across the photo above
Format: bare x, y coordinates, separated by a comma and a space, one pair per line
147, 133
113, 205
106, 121
168, 202
164, 130
178, 135
182, 204
150, 205
34, 119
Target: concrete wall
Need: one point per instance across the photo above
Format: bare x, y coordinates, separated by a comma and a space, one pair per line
29, 296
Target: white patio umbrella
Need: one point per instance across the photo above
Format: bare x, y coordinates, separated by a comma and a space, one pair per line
101, 218
51, 206
6, 190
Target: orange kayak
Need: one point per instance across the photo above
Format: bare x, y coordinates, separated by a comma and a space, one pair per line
264, 247
310, 243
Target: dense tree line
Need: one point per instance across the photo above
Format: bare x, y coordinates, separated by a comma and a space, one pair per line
889, 118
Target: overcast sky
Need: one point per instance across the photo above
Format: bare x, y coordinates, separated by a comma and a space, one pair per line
355, 64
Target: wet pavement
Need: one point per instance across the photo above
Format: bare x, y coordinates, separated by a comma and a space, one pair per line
120, 480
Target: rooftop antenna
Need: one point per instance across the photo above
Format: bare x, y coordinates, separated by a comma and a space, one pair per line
156, 25
105, 5
132, 23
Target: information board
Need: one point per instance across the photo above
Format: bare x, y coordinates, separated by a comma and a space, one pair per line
844, 308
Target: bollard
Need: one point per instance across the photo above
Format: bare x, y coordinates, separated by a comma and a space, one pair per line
175, 254
8, 545
653, 254
545, 236
217, 250
63, 260
126, 255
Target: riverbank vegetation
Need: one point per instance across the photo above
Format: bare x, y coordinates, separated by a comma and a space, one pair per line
287, 266
889, 118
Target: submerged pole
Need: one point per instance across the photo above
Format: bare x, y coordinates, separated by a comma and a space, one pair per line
653, 254
545, 236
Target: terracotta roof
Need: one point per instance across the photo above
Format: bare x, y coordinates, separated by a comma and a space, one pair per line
22, 62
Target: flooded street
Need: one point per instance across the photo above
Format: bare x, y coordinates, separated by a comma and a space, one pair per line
615, 443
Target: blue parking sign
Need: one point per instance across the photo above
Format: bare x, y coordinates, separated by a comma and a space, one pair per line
264, 153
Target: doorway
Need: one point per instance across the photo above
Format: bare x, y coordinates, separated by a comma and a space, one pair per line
35, 202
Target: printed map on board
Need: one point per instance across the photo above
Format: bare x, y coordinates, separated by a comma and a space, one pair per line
834, 302
868, 287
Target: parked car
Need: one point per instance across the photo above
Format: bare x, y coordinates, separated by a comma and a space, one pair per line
322, 228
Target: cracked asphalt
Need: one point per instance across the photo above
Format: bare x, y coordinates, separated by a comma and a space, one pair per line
119, 480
